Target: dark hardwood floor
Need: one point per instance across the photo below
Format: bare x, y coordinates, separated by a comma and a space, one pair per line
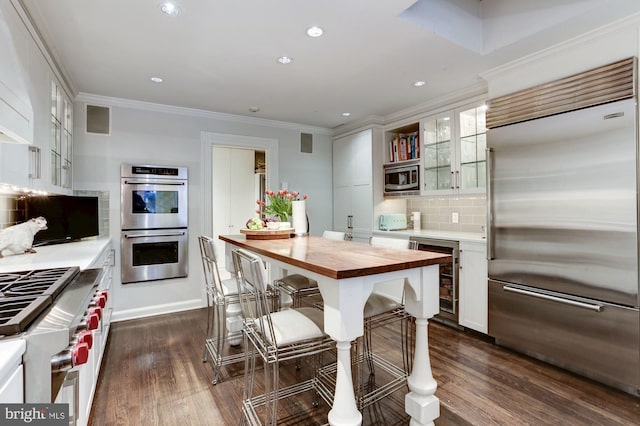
153, 374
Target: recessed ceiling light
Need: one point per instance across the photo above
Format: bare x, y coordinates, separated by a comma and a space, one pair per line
170, 8
419, 83
285, 60
346, 114
156, 79
314, 31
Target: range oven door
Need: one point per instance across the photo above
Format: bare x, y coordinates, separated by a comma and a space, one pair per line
153, 203
153, 254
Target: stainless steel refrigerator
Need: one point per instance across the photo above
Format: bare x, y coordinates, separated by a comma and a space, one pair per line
563, 230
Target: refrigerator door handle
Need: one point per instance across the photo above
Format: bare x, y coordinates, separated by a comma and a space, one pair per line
489, 230
589, 306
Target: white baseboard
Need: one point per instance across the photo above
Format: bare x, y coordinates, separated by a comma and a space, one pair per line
149, 311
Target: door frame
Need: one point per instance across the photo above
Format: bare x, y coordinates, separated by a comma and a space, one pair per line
210, 139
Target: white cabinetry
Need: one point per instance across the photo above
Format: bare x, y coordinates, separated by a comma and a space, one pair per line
352, 185
16, 115
11, 371
453, 146
46, 163
474, 303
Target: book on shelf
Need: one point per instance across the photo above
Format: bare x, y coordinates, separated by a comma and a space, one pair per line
404, 147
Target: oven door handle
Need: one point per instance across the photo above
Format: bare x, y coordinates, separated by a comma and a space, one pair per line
163, 234
138, 182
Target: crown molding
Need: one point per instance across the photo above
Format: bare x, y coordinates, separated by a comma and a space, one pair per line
458, 96
372, 121
198, 113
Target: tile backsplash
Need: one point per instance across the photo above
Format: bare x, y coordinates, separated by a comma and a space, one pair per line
9, 211
436, 213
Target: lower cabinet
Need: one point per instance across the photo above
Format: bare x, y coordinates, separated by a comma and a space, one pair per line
474, 304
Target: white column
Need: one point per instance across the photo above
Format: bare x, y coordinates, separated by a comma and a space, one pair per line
422, 302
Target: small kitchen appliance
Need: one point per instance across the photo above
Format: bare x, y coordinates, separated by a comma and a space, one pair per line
392, 222
402, 179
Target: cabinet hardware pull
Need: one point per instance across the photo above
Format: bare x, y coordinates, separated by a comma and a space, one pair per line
34, 162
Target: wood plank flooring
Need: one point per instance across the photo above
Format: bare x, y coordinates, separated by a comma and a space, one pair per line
153, 374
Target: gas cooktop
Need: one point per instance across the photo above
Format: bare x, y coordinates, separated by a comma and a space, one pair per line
25, 295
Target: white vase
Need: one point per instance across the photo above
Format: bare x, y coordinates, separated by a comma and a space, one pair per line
299, 217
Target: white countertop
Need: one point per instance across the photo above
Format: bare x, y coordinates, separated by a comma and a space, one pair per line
10, 357
81, 254
431, 233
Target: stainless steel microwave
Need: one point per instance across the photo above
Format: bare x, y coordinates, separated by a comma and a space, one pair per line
402, 179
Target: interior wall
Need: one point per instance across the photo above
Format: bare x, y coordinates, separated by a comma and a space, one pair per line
168, 136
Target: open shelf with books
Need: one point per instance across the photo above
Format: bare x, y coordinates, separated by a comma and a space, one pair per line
402, 144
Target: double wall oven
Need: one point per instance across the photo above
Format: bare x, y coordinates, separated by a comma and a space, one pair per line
154, 220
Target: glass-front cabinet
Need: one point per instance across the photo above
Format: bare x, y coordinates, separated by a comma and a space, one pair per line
61, 137
438, 150
454, 152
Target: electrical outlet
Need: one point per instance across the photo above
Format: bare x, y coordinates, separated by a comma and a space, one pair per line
455, 217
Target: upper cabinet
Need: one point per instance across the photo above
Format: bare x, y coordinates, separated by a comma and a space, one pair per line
453, 148
44, 164
61, 139
16, 114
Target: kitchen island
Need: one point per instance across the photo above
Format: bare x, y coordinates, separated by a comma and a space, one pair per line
346, 273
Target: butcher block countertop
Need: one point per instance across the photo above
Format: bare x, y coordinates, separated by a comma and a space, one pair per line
338, 259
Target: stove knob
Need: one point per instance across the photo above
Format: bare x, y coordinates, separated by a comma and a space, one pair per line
96, 310
85, 337
90, 322
79, 354
99, 300
104, 293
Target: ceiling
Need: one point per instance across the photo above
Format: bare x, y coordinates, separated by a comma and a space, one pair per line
221, 55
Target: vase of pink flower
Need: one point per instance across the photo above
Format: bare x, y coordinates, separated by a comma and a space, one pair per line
279, 204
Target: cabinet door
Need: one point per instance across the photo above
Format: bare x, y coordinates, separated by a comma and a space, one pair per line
439, 154
341, 207
352, 184
16, 115
474, 304
471, 175
343, 161
14, 164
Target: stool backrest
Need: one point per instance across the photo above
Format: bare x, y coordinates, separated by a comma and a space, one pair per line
251, 276
212, 280
398, 243
334, 235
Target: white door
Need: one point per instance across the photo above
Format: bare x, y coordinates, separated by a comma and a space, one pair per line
233, 192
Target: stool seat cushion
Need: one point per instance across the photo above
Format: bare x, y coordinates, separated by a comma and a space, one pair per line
378, 304
292, 325
298, 282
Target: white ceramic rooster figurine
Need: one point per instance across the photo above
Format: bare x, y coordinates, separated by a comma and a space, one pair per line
19, 238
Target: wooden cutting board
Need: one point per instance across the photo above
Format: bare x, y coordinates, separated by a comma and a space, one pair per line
267, 234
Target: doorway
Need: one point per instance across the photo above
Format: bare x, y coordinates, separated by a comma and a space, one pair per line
224, 204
